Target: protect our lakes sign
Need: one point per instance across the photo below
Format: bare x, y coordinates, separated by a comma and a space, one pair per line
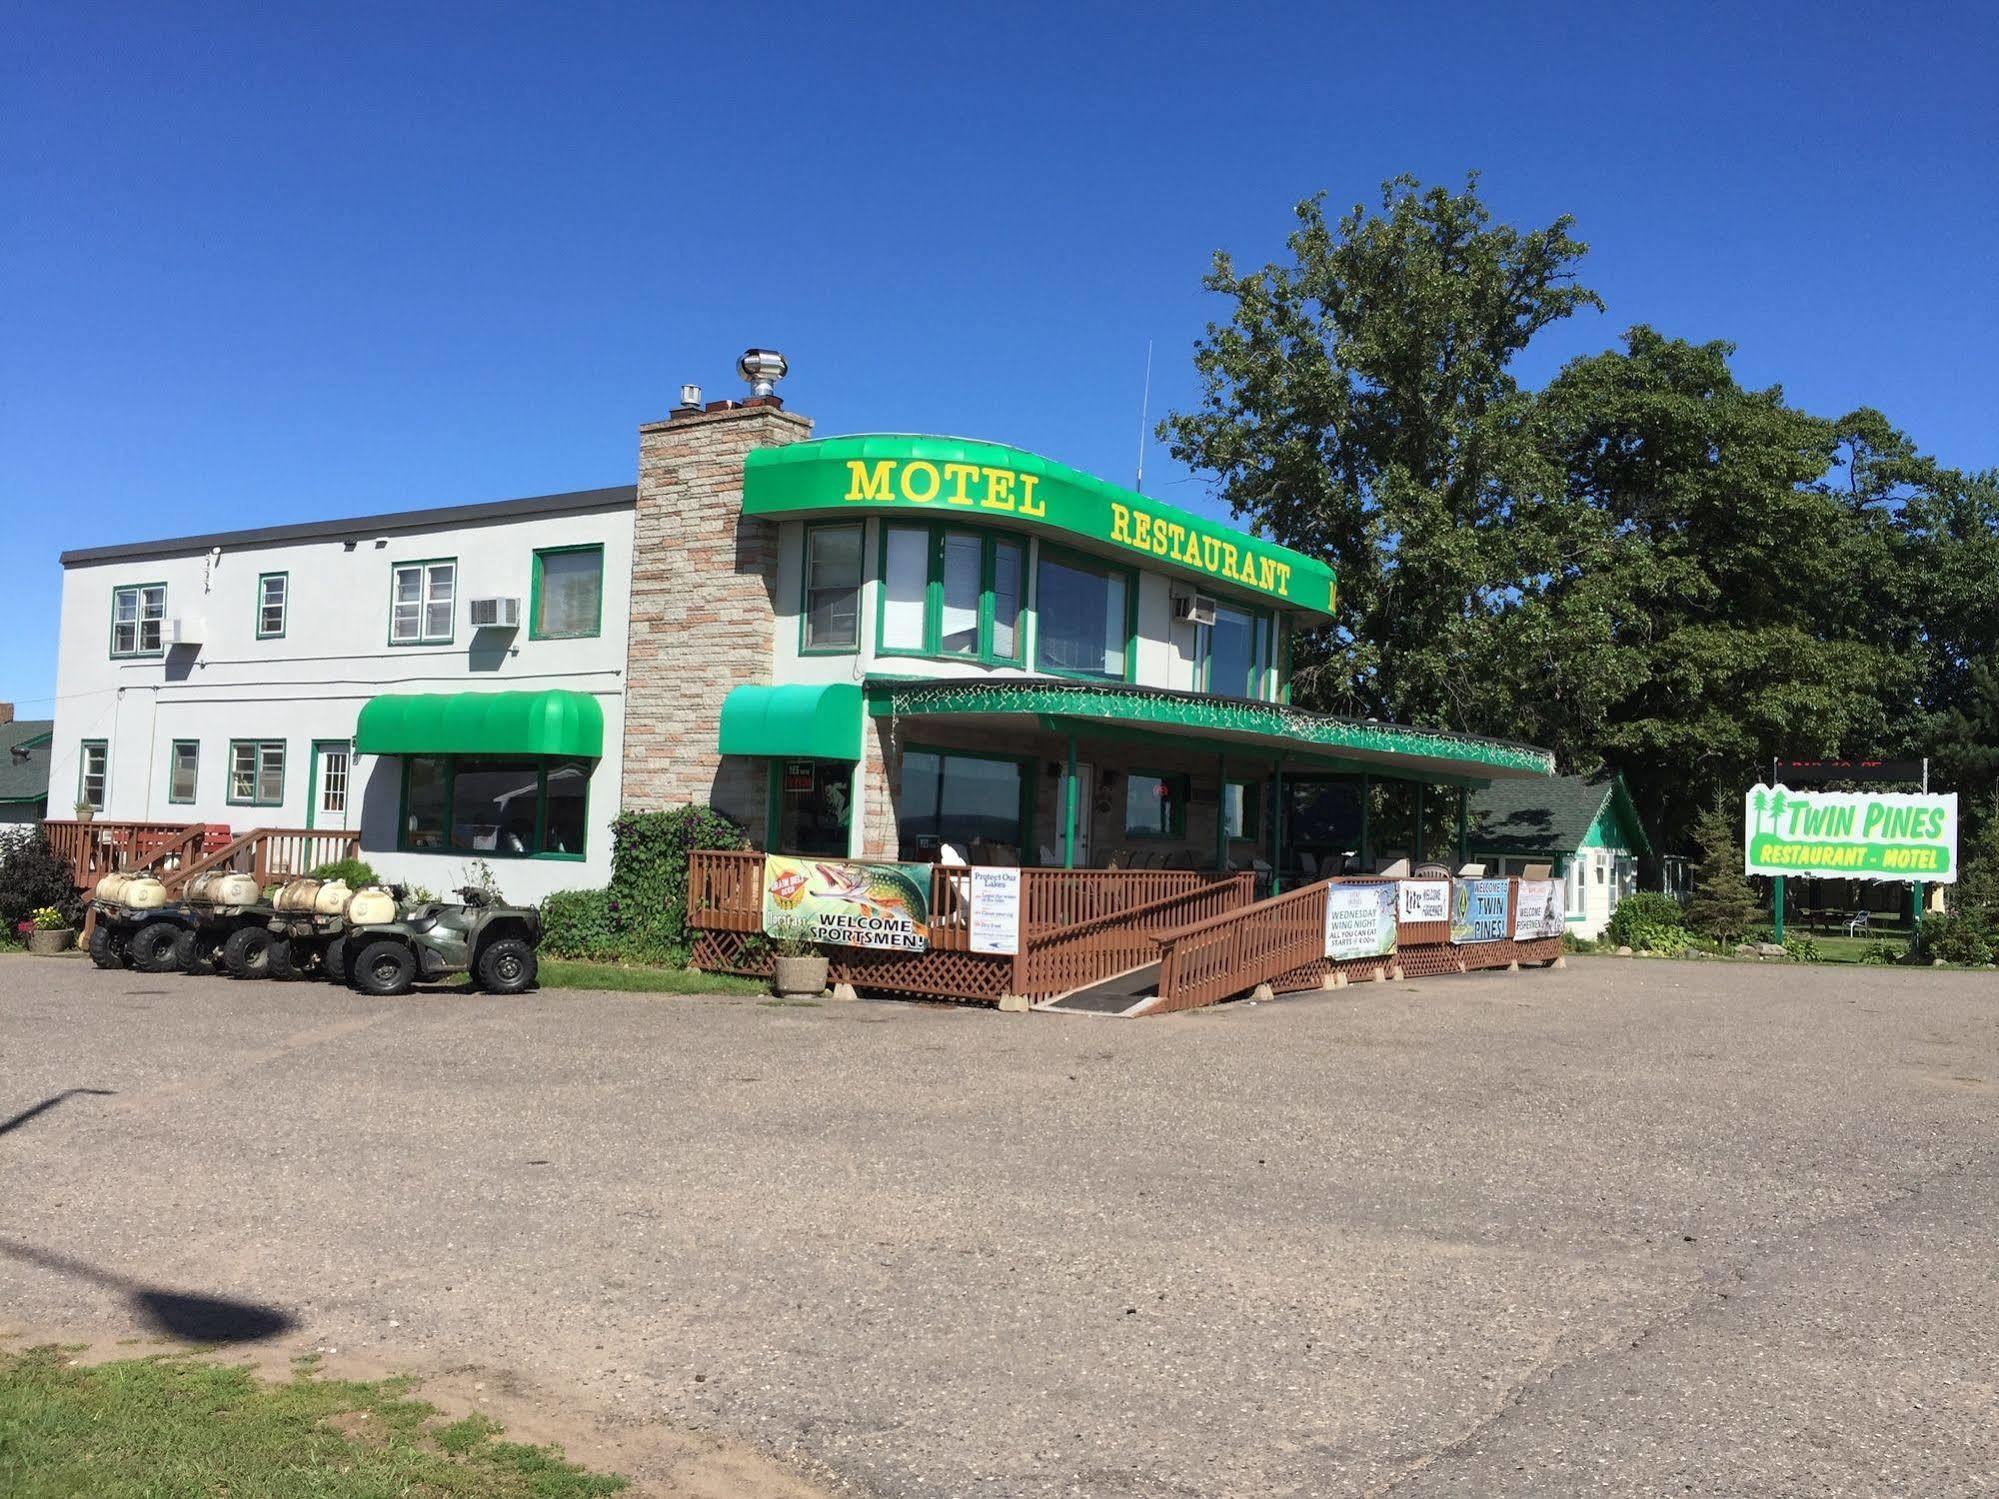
1852, 835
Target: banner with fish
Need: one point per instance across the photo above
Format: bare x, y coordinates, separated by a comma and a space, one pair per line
846, 904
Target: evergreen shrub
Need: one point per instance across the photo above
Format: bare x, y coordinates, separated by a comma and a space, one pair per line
1645, 911
32, 877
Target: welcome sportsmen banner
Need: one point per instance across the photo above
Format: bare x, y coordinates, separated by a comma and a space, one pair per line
848, 904
1850, 835
1540, 913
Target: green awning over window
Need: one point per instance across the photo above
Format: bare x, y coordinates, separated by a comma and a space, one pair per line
482, 723
822, 722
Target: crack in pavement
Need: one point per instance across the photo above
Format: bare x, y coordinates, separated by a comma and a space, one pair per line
1706, 1296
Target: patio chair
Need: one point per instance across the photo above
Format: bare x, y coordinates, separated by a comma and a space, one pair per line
1859, 923
950, 853
1308, 865
1433, 871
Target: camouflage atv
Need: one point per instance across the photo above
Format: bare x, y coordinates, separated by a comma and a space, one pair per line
494, 943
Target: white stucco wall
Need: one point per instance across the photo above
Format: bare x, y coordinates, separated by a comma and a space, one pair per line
310, 684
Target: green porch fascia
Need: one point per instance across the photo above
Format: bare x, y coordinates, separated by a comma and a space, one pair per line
953, 478
1274, 731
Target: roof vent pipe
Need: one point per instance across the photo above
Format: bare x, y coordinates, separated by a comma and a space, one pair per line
762, 368
690, 398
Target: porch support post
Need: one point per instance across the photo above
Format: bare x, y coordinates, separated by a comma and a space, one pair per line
1069, 810
1221, 815
1416, 843
1366, 830
1277, 830
1464, 825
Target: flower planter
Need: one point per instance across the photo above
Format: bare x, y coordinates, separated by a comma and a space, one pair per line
48, 942
799, 978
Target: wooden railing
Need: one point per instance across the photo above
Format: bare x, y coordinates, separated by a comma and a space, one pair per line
271, 854
1205, 962
1056, 960
99, 847
725, 893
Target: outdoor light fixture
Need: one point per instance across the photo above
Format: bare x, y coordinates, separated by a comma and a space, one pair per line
763, 368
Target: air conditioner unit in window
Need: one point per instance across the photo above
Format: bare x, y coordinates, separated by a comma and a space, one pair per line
1195, 608
180, 632
496, 614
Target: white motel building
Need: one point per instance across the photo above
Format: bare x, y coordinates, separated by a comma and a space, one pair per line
897, 646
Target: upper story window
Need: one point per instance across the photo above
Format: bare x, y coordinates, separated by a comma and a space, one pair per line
568, 601
273, 600
138, 616
1083, 624
948, 592
423, 599
1235, 653
831, 619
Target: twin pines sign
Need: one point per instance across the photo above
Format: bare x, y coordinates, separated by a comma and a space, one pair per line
1851, 835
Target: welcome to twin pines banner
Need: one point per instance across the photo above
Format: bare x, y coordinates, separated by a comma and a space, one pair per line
1850, 835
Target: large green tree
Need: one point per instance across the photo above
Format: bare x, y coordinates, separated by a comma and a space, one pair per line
1360, 404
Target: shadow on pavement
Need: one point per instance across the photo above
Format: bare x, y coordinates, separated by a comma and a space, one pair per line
9, 1126
177, 1314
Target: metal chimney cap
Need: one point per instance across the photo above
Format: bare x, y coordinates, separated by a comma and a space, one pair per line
690, 397
762, 368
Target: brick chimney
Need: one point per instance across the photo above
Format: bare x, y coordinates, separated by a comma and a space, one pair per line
703, 606
6, 712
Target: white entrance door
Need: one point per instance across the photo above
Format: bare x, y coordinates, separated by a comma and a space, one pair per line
332, 790
1086, 795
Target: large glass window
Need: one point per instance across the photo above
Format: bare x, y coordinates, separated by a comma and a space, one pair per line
815, 804
1240, 803
963, 577
1155, 806
183, 770
92, 771
905, 587
568, 593
501, 807
257, 772
273, 598
1235, 651
138, 618
968, 803
1322, 818
1083, 621
832, 588
950, 593
423, 602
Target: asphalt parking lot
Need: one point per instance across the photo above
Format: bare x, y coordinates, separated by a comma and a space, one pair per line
1630, 1228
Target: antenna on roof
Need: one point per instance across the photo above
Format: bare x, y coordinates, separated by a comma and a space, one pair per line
1144, 411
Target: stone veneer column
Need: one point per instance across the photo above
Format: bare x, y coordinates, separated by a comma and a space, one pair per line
703, 607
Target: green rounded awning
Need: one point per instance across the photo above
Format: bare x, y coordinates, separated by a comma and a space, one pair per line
482, 723
820, 721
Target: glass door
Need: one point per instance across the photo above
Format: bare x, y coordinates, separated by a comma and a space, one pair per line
332, 773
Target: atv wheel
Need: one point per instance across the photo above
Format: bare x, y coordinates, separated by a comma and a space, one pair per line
333, 962
151, 948
106, 951
284, 958
194, 953
247, 953
384, 967
506, 966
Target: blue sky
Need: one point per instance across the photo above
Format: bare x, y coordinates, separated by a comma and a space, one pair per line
258, 266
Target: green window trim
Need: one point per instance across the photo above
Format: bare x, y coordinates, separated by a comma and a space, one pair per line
255, 799
1030, 770
535, 631
138, 622
423, 601
1176, 803
1264, 629
173, 764
1084, 562
283, 605
990, 543
446, 850
811, 529
83, 749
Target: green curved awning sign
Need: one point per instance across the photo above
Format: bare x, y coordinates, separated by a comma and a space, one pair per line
815, 721
947, 477
482, 723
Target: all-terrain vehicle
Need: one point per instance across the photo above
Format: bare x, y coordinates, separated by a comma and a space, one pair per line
303, 931
494, 943
137, 926
133, 925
